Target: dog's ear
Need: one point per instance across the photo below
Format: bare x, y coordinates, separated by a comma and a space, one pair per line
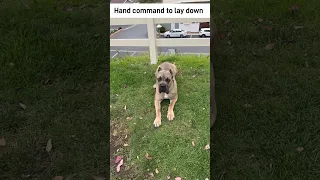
170, 70
159, 69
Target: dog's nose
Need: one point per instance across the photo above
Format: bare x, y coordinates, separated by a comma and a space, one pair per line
162, 85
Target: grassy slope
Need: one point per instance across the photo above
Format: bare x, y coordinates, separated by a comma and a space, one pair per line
46, 43
281, 86
170, 145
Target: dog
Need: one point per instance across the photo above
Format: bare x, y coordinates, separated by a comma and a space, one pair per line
165, 88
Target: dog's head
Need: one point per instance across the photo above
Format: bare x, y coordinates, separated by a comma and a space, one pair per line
164, 80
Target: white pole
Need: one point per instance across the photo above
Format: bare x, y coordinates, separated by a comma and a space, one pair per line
152, 41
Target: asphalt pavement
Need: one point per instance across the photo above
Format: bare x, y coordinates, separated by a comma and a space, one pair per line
139, 31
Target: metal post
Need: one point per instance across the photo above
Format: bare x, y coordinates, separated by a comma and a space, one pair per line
152, 41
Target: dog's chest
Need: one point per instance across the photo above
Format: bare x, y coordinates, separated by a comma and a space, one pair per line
166, 96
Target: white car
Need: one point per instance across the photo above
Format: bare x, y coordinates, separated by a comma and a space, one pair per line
175, 33
204, 32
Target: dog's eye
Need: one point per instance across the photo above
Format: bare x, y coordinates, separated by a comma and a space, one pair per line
159, 79
168, 80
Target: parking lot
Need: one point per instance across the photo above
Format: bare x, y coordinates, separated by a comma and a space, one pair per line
139, 31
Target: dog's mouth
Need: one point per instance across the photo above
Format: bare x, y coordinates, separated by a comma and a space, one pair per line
163, 89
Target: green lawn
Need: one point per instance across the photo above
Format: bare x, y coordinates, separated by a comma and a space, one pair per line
170, 145
54, 62
268, 100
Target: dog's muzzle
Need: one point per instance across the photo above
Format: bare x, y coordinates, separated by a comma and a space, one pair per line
163, 88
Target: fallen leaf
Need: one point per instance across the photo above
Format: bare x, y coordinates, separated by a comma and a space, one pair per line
269, 46
125, 107
192, 143
207, 179
157, 172
221, 36
117, 159
125, 145
148, 157
69, 9
227, 21
57, 178
151, 174
294, 8
2, 141
298, 27
119, 165
98, 178
260, 20
178, 178
129, 118
207, 147
267, 28
23, 106
299, 149
49, 145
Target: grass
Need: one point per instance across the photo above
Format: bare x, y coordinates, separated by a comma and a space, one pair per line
170, 146
268, 100
54, 62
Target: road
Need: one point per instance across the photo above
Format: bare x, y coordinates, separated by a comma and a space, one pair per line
139, 31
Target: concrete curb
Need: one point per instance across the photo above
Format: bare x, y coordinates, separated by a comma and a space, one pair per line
115, 33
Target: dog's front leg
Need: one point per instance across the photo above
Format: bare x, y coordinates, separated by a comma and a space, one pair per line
170, 115
157, 105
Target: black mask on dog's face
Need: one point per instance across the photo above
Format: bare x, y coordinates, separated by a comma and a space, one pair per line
163, 82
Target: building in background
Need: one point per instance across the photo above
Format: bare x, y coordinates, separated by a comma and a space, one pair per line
189, 27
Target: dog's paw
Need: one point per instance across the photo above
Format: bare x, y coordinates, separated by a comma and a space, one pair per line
157, 122
170, 115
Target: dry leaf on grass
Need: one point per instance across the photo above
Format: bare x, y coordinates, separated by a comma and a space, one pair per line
193, 143
119, 165
294, 8
207, 179
57, 178
23, 106
298, 27
2, 141
125, 107
125, 145
260, 20
267, 28
269, 46
98, 178
151, 174
299, 149
148, 157
178, 178
117, 159
49, 145
157, 172
129, 118
207, 147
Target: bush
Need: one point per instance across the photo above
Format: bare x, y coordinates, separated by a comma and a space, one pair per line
162, 29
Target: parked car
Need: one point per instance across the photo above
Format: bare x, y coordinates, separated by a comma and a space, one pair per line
175, 33
204, 32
